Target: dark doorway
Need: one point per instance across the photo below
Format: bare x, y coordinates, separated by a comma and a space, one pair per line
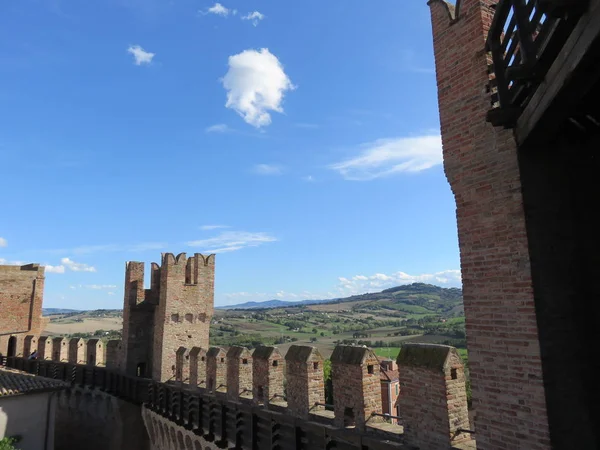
349, 420
141, 370
12, 347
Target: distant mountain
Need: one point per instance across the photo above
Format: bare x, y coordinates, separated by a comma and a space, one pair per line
416, 297
271, 304
51, 311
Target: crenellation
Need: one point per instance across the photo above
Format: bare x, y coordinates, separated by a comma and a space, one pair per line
197, 367
305, 380
182, 365
268, 370
45, 348
30, 344
60, 349
114, 350
216, 369
355, 373
95, 353
433, 400
239, 372
77, 351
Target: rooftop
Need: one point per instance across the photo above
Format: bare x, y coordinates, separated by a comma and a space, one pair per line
15, 382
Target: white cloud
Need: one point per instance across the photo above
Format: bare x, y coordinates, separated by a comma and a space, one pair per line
255, 84
3, 242
386, 157
218, 128
359, 284
55, 269
309, 179
254, 17
267, 169
110, 293
140, 56
220, 10
213, 227
229, 241
356, 285
75, 266
98, 287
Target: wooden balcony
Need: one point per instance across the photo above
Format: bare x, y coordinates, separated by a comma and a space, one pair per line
526, 38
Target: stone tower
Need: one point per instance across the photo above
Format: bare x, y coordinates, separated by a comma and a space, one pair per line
175, 312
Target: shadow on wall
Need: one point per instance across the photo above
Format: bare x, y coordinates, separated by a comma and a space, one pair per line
88, 419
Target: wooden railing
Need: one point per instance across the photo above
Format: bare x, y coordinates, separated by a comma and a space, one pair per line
525, 38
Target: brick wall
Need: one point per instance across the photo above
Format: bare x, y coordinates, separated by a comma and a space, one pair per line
216, 369
481, 165
433, 399
95, 353
268, 368
45, 347
60, 349
355, 373
138, 318
77, 351
198, 367
21, 296
239, 372
305, 382
185, 309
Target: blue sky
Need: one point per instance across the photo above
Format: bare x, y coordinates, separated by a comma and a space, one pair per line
298, 140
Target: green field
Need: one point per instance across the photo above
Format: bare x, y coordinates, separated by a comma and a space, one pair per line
387, 352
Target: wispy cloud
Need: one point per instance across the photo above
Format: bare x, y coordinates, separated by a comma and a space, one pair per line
267, 169
3, 242
255, 17
106, 248
98, 287
54, 269
140, 56
387, 157
75, 266
309, 179
218, 128
255, 85
229, 241
219, 10
213, 227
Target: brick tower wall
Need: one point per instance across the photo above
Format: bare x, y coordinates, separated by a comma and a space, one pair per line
185, 309
21, 297
139, 305
481, 165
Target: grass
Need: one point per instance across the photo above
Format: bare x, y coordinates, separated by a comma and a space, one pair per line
387, 352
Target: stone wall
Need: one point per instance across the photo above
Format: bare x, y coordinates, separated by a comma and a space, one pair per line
481, 165
94, 420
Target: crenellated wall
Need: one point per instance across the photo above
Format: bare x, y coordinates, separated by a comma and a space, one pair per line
433, 400
176, 311
433, 404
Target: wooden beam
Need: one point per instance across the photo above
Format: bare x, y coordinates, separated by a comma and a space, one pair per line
566, 82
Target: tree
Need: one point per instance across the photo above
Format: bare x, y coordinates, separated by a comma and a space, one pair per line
322, 333
313, 339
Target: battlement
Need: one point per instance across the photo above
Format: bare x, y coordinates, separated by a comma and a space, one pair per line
176, 311
90, 352
432, 401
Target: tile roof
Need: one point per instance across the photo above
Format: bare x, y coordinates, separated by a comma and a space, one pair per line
15, 382
389, 375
